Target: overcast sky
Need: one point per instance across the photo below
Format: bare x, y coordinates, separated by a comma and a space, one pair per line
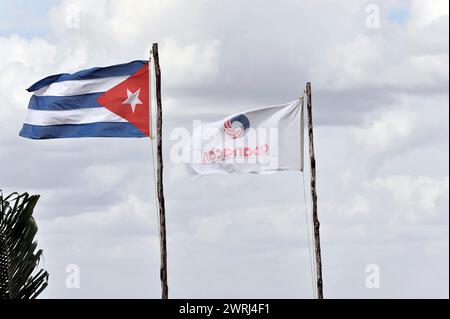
380, 90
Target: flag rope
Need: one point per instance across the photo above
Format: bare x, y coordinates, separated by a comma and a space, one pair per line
310, 247
152, 138
154, 185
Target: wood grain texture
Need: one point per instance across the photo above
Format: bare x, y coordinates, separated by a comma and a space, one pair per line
315, 216
159, 177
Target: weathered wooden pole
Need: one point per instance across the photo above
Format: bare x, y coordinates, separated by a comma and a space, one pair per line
159, 177
314, 195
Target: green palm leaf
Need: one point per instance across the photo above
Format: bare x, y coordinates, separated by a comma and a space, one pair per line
19, 256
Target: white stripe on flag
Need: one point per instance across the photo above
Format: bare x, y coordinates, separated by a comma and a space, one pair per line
79, 87
78, 116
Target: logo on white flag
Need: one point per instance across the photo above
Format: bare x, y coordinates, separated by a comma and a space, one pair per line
236, 126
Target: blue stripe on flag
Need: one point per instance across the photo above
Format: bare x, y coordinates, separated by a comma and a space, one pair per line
93, 73
59, 103
101, 129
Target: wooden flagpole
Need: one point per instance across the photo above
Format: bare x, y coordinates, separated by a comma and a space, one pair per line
159, 177
314, 195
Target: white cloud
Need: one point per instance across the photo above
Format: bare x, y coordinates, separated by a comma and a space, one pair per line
24, 51
424, 13
392, 129
190, 65
413, 199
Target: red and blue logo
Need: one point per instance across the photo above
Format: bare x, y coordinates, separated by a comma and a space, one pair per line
236, 126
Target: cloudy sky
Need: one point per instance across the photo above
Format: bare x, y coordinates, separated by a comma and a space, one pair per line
380, 80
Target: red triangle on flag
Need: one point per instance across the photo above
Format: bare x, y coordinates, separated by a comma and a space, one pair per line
130, 99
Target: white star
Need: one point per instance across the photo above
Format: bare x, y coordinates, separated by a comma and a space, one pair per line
133, 99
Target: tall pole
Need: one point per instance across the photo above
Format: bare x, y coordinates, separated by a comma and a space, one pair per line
159, 177
314, 195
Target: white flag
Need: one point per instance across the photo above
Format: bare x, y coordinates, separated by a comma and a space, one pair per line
263, 140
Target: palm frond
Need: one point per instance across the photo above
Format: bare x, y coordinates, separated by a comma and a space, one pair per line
19, 256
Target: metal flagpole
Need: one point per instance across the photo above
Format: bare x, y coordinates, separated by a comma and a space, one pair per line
159, 177
314, 195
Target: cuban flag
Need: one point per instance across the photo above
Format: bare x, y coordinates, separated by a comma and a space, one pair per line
99, 102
